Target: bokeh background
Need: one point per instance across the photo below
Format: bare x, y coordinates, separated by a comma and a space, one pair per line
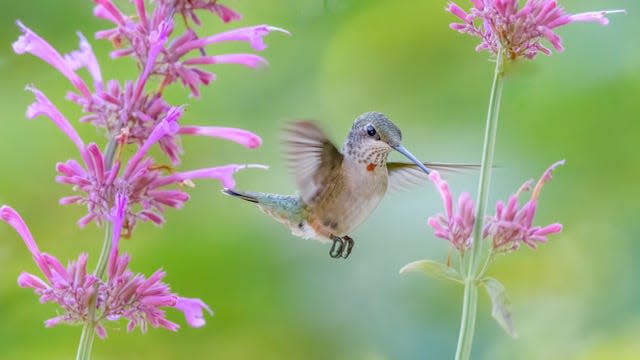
280, 297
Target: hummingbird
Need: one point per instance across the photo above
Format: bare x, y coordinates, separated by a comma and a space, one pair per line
339, 189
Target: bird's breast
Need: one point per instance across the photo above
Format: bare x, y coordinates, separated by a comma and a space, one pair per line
351, 199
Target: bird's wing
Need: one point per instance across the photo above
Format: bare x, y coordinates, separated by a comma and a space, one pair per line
312, 158
403, 176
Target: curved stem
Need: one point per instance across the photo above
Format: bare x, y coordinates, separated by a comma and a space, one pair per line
486, 164
470, 301
89, 328
468, 321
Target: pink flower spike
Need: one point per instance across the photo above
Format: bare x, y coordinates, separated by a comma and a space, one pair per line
240, 136
193, 310
30, 42
511, 225
501, 24
124, 294
42, 106
456, 226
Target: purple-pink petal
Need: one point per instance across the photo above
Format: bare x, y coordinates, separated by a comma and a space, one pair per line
54, 321
29, 280
117, 219
193, 310
84, 57
43, 106
240, 136
222, 173
30, 42
546, 176
595, 16
457, 11
253, 35
11, 217
443, 188
105, 9
168, 126
248, 60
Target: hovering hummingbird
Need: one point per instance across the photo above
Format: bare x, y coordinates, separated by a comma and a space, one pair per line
338, 190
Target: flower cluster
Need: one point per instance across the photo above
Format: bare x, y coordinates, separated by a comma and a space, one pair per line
131, 107
131, 115
508, 228
511, 226
455, 227
518, 30
118, 191
123, 294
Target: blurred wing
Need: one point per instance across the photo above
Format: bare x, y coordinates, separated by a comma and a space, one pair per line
312, 158
403, 176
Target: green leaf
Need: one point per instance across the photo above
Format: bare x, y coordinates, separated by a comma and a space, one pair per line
501, 310
434, 269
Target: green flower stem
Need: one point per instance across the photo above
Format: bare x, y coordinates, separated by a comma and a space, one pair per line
468, 322
470, 301
89, 328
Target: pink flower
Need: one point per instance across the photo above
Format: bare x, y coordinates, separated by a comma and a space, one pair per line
140, 32
454, 226
519, 31
142, 180
124, 294
512, 225
173, 68
124, 109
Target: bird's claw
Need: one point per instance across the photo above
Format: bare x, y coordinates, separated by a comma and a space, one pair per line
341, 247
349, 246
336, 252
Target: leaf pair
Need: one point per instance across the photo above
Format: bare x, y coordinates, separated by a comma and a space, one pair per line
501, 305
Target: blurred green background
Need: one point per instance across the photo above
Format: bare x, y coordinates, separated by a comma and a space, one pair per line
280, 297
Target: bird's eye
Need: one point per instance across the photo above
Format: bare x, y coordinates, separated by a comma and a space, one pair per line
371, 130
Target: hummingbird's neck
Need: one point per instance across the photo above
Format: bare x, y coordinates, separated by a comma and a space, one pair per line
368, 156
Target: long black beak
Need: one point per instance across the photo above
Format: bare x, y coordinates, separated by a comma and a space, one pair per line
401, 149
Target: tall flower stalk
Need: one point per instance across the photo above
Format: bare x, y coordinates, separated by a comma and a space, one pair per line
470, 298
509, 32
120, 192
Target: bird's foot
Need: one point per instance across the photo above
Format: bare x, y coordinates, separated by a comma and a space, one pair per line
341, 247
337, 248
348, 245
